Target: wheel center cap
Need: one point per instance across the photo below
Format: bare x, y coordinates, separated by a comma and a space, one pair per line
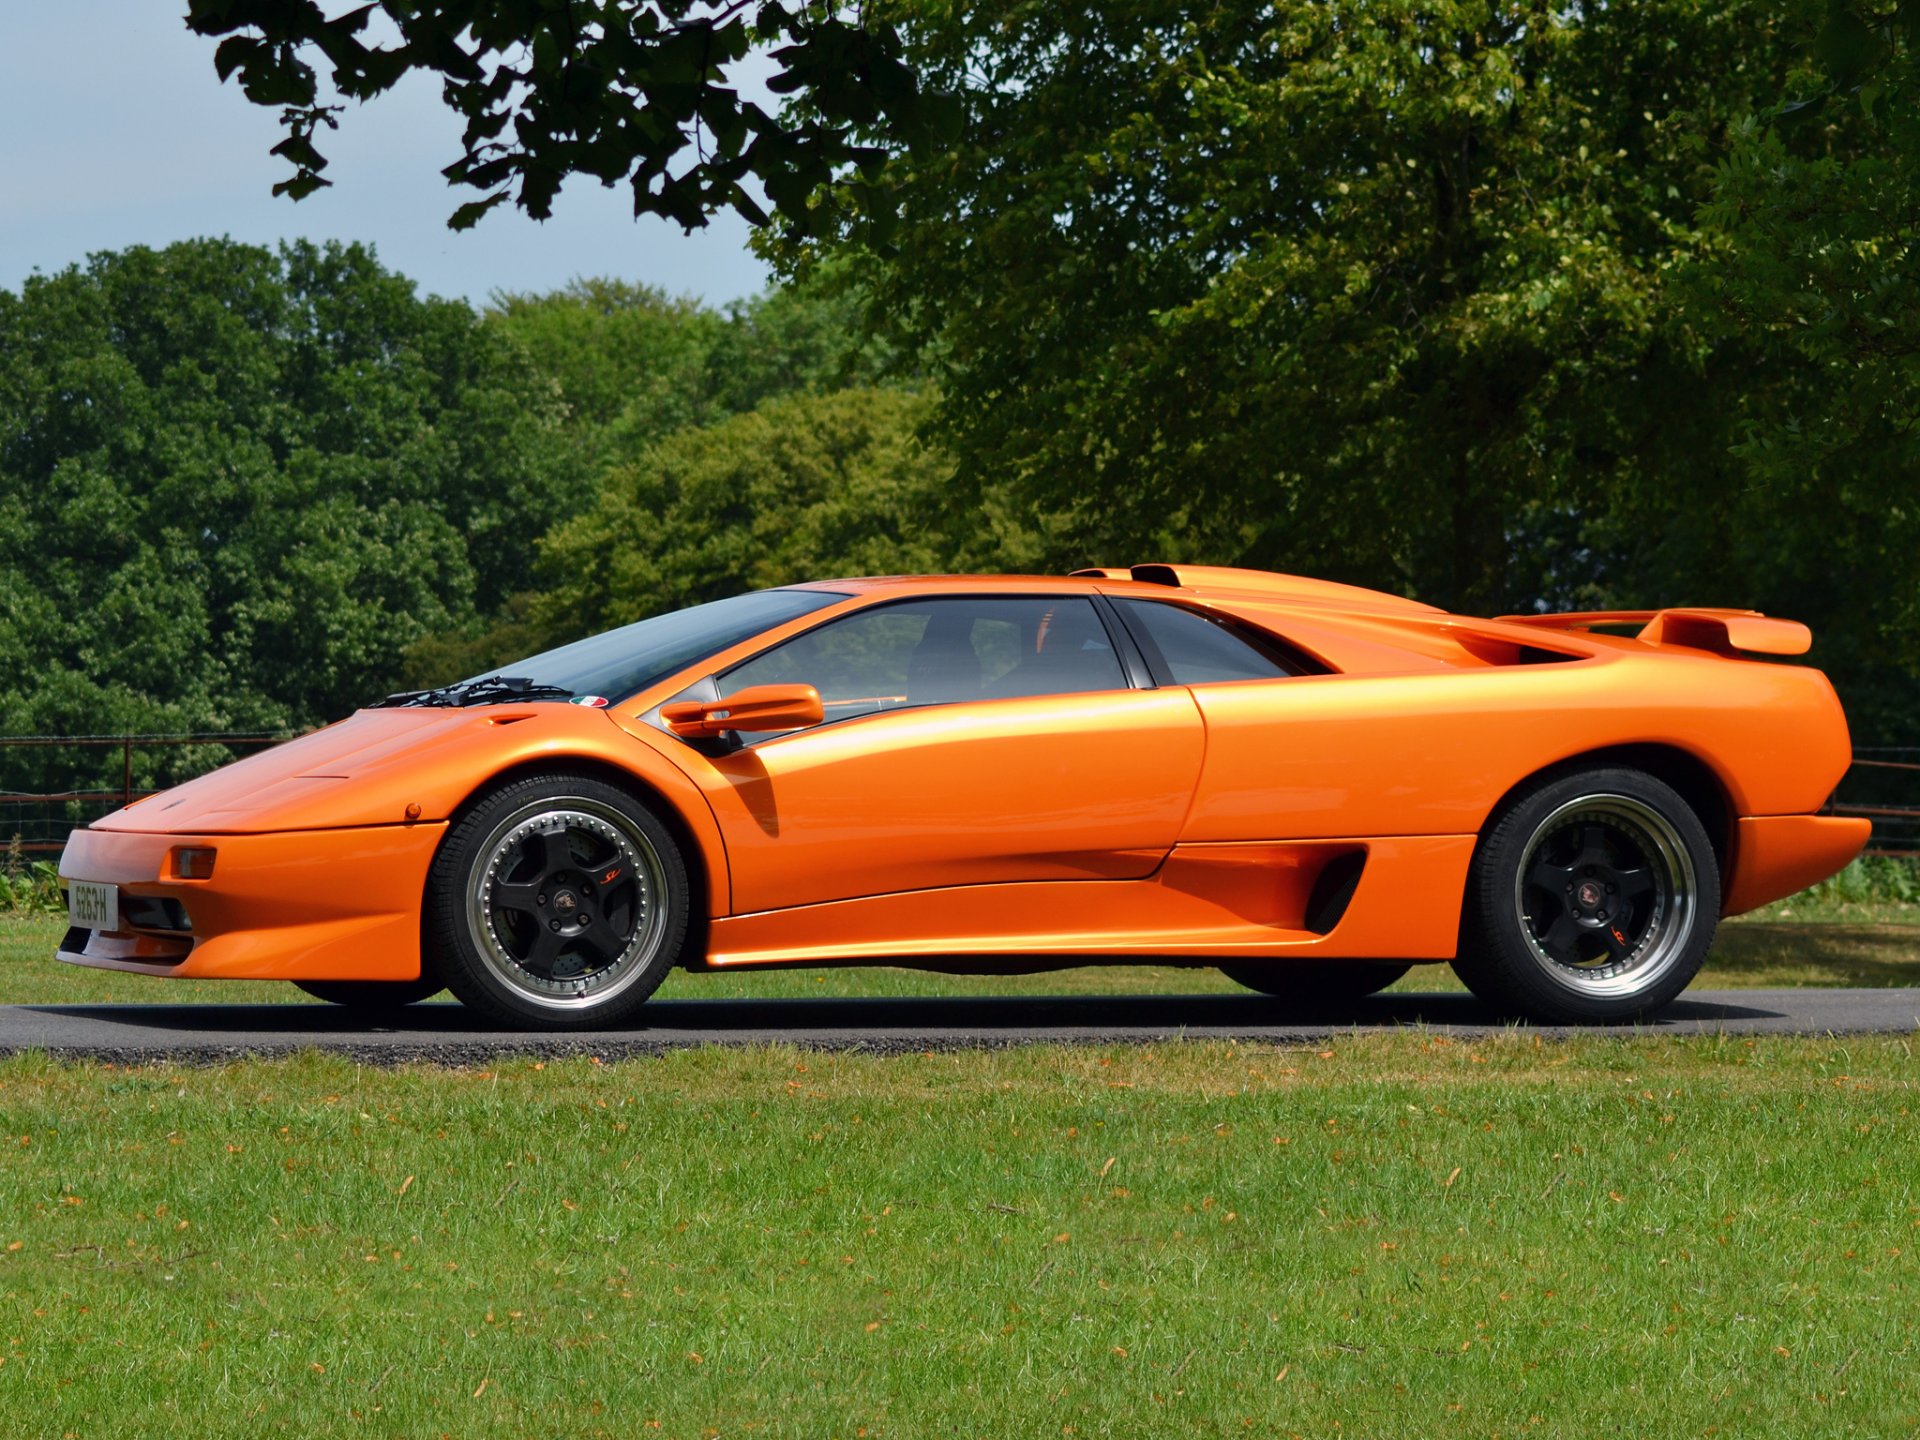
565, 902
1589, 894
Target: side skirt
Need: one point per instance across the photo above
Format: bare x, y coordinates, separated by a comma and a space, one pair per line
1228, 900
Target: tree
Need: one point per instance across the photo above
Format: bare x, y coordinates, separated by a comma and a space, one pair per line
629, 363
632, 365
1377, 291
804, 487
618, 90
807, 486
1816, 281
235, 485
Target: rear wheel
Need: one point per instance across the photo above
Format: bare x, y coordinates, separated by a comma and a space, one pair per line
1317, 980
1592, 897
558, 902
373, 997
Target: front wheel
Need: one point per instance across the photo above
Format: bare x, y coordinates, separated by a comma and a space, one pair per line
1317, 981
1592, 896
373, 997
557, 902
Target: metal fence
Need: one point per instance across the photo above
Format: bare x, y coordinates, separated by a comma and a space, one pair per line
1883, 785
41, 820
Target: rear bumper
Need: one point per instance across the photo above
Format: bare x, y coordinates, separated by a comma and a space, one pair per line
298, 905
1777, 855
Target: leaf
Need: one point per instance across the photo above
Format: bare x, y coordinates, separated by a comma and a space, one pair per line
233, 53
468, 215
300, 186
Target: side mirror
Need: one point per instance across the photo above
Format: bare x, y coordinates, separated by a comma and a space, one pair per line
756, 708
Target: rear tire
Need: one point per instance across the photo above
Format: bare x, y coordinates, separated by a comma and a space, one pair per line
557, 902
1592, 898
1317, 981
373, 997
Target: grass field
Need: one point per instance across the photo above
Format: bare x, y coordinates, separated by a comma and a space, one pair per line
1392, 1235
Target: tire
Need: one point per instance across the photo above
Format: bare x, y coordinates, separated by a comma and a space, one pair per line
373, 997
1317, 981
556, 902
1592, 898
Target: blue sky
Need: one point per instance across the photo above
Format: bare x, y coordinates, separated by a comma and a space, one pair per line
115, 131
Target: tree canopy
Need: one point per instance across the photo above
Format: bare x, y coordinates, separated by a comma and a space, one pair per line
236, 484
242, 489
1816, 281
646, 94
1505, 305
1374, 291
804, 486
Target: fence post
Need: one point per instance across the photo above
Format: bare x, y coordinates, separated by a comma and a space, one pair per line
126, 770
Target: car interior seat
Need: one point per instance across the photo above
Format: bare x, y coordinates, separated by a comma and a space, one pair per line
944, 666
1070, 651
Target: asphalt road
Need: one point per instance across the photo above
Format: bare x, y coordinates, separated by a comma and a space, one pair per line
445, 1033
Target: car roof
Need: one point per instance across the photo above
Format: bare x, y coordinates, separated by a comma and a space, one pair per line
1154, 581
919, 584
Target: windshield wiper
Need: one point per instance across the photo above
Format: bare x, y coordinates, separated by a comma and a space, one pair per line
488, 690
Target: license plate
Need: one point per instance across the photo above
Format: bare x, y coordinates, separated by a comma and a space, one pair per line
93, 906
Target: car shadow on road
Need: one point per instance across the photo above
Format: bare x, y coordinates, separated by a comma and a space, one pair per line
1010, 1017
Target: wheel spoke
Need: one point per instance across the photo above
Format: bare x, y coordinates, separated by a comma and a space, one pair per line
1634, 884
1562, 939
604, 879
1547, 876
517, 895
548, 851
541, 954
605, 945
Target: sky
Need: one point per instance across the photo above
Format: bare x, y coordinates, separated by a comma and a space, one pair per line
115, 131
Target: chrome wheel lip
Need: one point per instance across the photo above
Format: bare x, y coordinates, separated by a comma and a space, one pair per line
568, 812
1676, 898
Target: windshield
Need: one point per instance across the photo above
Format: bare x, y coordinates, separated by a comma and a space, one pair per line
626, 661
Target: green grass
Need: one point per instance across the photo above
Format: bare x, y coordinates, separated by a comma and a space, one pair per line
1391, 1235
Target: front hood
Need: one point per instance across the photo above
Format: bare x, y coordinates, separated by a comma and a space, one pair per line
365, 770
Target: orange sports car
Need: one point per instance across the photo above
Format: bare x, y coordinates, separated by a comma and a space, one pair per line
1309, 785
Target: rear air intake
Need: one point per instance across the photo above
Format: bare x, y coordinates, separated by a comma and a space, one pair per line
1333, 891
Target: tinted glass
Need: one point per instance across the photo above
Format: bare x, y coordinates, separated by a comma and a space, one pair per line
1199, 650
941, 652
625, 661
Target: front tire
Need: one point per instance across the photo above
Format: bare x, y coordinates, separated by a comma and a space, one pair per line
557, 902
373, 997
1592, 897
1318, 982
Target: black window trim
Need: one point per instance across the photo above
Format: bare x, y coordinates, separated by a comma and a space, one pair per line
1133, 666
1133, 660
1292, 660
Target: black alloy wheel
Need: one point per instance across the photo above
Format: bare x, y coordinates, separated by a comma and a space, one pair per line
557, 902
1593, 896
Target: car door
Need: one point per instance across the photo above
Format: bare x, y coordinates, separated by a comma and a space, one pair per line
968, 740
1264, 778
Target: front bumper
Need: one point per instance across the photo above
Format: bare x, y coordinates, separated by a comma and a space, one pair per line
297, 905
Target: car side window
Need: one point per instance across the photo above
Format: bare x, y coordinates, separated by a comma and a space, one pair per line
941, 652
1200, 649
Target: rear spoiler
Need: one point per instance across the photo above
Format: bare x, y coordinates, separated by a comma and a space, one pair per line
1723, 631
